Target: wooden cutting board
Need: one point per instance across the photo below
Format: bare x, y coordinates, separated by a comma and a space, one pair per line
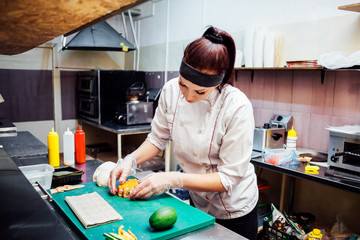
136, 214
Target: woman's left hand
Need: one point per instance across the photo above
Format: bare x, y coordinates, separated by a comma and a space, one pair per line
157, 183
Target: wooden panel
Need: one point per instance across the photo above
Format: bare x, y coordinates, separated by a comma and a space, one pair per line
27, 24
352, 7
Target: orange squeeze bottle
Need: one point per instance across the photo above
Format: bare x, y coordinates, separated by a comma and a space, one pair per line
79, 146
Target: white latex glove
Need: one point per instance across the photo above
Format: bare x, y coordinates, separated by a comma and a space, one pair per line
157, 183
102, 173
125, 167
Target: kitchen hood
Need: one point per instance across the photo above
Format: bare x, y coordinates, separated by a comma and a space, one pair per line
99, 37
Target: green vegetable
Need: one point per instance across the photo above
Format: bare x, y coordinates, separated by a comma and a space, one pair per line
109, 237
117, 236
163, 218
113, 236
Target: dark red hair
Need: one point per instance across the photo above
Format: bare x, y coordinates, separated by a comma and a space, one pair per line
214, 52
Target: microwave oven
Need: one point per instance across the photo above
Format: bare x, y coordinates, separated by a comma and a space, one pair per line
344, 151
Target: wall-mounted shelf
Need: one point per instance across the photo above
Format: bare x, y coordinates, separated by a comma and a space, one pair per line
322, 70
352, 7
279, 68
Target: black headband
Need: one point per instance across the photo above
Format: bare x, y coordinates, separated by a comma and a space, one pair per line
199, 78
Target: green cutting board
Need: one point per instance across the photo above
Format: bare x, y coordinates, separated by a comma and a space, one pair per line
136, 214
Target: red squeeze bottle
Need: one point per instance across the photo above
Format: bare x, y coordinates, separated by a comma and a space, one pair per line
79, 146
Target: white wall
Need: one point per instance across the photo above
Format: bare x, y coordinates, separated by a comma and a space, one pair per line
309, 27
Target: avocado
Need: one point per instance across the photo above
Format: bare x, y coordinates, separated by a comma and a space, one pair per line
163, 218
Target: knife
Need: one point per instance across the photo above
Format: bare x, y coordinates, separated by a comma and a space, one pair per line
336, 175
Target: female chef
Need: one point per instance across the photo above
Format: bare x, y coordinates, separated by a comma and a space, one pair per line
211, 126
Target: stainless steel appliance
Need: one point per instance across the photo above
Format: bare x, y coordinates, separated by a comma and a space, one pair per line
272, 134
344, 151
134, 112
266, 137
281, 121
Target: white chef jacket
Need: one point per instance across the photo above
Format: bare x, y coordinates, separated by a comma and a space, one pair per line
211, 135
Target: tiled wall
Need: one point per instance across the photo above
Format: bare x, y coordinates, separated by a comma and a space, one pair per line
301, 94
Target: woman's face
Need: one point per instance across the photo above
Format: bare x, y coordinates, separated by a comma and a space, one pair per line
192, 92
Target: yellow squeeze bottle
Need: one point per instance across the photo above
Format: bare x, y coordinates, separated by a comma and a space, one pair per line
53, 148
291, 139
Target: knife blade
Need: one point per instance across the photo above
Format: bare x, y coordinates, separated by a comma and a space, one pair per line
336, 175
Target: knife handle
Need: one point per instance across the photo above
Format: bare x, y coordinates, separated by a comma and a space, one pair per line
44, 191
333, 174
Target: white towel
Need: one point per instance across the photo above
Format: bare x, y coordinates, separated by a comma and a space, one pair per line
258, 54
335, 60
238, 58
248, 47
269, 49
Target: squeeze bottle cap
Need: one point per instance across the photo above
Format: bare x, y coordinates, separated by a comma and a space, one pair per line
292, 132
68, 132
316, 233
52, 132
79, 130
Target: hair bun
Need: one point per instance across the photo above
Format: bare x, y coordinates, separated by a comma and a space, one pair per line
215, 38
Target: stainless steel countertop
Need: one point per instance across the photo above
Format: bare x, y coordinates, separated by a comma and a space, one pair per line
323, 177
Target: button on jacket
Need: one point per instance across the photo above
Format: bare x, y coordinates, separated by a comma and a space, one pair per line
211, 135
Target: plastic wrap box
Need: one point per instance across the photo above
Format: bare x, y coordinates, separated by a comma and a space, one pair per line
41, 173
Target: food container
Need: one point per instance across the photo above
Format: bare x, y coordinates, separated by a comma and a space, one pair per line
277, 156
41, 173
66, 176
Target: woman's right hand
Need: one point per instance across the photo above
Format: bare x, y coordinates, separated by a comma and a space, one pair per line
126, 167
